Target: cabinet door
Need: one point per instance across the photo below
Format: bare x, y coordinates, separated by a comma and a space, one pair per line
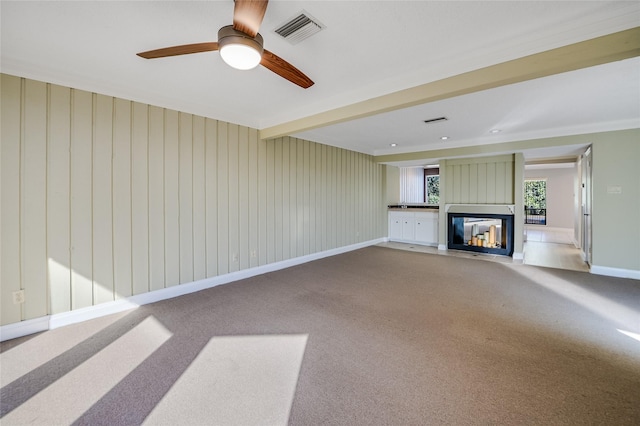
395, 227
408, 228
427, 228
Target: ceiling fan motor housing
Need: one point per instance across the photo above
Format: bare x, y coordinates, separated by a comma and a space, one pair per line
228, 35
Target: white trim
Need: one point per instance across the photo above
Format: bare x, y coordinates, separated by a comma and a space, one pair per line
615, 272
491, 208
518, 256
24, 328
442, 247
49, 322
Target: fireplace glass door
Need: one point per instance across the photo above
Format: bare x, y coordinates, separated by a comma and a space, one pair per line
485, 233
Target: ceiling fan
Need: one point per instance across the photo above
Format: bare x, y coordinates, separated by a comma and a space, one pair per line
240, 45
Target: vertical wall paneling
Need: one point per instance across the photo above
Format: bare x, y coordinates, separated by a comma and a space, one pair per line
10, 200
262, 202
270, 247
243, 197
171, 199
334, 225
312, 198
103, 198
326, 182
185, 190
457, 183
473, 183
500, 182
58, 195
491, 185
293, 196
233, 196
211, 177
300, 197
287, 205
346, 202
278, 189
306, 234
33, 188
223, 198
122, 236
140, 198
355, 196
199, 209
318, 192
482, 182
509, 180
156, 219
253, 198
464, 179
81, 203
339, 219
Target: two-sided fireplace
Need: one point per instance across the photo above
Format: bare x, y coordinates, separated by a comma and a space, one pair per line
481, 232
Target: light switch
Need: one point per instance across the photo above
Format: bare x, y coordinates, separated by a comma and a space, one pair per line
614, 189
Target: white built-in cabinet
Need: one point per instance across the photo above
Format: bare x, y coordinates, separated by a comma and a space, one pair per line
419, 227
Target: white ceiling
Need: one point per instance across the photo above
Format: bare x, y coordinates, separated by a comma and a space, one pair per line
368, 49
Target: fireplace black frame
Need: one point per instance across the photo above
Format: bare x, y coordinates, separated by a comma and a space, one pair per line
455, 242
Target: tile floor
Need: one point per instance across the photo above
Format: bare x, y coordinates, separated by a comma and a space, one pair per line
552, 248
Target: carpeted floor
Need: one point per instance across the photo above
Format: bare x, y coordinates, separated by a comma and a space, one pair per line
372, 337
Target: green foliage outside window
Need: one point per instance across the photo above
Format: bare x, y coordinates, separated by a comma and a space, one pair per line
535, 194
433, 189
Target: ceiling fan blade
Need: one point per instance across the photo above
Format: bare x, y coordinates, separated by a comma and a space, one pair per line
184, 49
285, 70
248, 15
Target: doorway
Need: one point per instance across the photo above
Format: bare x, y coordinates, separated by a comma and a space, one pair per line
552, 199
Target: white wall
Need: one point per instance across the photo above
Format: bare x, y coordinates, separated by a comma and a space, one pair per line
104, 198
561, 191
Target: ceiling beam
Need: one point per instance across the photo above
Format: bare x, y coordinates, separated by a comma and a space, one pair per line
597, 51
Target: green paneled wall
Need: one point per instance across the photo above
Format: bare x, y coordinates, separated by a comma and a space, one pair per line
104, 198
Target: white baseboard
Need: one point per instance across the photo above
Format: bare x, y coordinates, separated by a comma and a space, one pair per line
518, 256
615, 272
24, 328
442, 247
50, 322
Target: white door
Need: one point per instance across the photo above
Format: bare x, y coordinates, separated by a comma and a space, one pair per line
586, 207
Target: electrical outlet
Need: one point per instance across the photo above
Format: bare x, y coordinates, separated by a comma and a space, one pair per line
235, 257
18, 297
254, 254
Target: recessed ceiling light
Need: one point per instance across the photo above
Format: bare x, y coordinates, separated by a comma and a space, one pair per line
494, 131
444, 138
393, 144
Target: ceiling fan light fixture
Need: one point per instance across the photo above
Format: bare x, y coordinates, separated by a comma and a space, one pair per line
238, 49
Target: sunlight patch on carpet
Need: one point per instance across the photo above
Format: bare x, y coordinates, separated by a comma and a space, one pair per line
236, 380
604, 307
66, 399
635, 336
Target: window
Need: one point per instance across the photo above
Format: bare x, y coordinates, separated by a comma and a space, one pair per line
535, 201
432, 185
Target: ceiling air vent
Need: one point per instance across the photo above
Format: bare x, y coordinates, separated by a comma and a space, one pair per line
300, 27
434, 120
